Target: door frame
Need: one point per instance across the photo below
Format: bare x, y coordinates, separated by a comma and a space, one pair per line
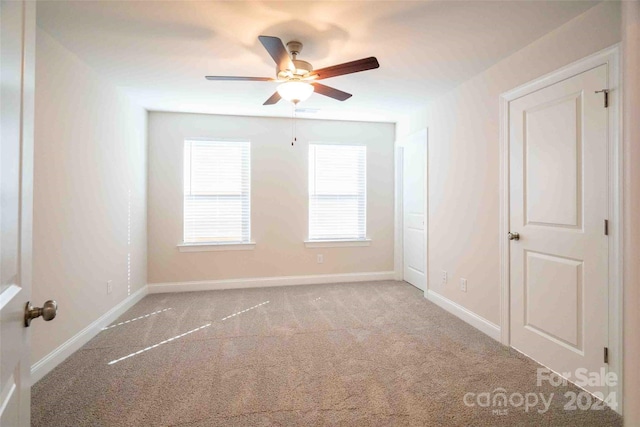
399, 206
611, 57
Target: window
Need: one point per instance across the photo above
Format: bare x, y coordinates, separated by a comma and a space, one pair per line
217, 194
337, 192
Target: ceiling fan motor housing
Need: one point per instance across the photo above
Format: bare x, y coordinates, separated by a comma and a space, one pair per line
302, 67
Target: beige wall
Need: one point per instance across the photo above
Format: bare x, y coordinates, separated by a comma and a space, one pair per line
464, 158
278, 198
631, 84
90, 153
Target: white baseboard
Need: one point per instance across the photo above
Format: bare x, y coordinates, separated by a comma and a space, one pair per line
45, 365
262, 282
468, 316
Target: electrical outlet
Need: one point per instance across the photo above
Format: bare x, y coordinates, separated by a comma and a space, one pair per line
109, 286
444, 277
463, 285
320, 258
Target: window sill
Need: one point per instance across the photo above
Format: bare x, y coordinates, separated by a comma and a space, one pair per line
216, 247
336, 243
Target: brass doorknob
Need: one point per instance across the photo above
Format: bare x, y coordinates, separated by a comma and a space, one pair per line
513, 236
47, 311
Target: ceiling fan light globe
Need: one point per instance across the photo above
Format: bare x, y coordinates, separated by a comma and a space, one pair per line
295, 91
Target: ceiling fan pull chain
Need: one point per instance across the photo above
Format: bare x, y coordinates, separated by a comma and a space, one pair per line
293, 125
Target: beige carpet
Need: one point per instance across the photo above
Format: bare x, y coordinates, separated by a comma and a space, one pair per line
367, 354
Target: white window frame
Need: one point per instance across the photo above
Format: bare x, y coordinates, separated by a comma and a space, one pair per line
337, 242
215, 246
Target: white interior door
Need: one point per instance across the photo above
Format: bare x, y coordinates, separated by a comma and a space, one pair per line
558, 205
414, 159
17, 38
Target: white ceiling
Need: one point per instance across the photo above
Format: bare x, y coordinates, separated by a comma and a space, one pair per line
159, 52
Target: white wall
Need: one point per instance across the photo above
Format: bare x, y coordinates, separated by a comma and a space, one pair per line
90, 162
279, 192
463, 185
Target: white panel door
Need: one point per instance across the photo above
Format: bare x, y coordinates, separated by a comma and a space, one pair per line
17, 38
558, 205
414, 159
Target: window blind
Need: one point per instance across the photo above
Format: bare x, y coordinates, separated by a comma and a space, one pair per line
337, 192
217, 193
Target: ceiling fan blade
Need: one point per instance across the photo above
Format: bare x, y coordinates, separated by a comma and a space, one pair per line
244, 79
346, 68
331, 92
278, 52
273, 100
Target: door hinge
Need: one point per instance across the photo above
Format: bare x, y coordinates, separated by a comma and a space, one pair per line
606, 227
606, 97
606, 355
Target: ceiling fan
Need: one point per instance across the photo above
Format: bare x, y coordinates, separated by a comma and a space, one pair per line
298, 78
